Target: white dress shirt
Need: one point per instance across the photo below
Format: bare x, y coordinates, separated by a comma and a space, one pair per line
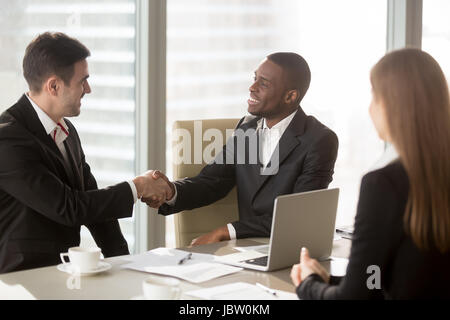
53, 129
59, 133
269, 141
389, 155
271, 136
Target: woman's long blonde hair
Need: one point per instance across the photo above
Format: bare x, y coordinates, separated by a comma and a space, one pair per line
414, 92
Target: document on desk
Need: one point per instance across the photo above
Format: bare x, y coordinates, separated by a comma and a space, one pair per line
240, 291
197, 268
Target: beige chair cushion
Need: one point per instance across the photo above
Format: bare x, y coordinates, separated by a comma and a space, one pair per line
192, 223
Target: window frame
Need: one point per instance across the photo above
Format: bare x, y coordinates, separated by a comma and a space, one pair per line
404, 24
150, 113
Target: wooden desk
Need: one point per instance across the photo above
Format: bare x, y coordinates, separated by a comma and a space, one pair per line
124, 284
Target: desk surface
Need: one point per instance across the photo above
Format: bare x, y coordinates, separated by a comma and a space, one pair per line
124, 284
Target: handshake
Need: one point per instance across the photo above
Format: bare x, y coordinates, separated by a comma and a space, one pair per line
154, 188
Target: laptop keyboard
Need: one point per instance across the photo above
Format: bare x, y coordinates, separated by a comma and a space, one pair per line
261, 261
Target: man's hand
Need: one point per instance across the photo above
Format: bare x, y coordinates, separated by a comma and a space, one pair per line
153, 202
149, 187
306, 267
220, 234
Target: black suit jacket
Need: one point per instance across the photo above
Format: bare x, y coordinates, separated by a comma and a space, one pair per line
380, 240
44, 201
307, 153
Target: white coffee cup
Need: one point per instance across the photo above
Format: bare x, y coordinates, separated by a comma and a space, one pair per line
82, 259
161, 288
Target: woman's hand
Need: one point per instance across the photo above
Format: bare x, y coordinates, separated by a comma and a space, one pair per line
306, 267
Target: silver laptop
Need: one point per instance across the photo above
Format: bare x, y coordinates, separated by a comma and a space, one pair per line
304, 219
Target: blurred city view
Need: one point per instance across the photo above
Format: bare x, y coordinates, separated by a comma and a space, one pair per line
107, 123
214, 47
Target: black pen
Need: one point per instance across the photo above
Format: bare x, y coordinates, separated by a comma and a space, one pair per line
187, 257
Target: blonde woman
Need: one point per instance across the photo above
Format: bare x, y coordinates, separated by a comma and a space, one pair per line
401, 244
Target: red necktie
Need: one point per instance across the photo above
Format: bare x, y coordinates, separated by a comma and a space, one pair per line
63, 130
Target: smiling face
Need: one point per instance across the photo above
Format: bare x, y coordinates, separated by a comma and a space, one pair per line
267, 92
78, 87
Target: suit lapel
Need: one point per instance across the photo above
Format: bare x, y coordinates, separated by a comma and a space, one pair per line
288, 142
252, 168
69, 143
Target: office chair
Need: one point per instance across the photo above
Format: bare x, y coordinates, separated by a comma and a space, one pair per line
191, 224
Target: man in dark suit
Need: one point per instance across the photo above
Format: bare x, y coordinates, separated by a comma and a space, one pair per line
296, 153
47, 190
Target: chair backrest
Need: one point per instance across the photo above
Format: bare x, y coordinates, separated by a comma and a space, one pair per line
193, 223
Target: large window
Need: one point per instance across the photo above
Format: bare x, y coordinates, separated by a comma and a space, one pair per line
436, 32
107, 122
213, 48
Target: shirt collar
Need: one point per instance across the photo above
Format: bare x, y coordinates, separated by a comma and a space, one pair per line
47, 122
283, 124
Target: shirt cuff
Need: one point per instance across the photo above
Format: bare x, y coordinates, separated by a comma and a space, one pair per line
172, 201
231, 231
133, 190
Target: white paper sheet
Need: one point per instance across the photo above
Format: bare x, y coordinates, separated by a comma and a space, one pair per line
14, 292
240, 291
200, 268
168, 253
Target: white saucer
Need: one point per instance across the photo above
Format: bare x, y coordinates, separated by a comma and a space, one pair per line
68, 268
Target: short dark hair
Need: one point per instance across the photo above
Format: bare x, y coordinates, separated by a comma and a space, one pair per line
52, 54
295, 69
